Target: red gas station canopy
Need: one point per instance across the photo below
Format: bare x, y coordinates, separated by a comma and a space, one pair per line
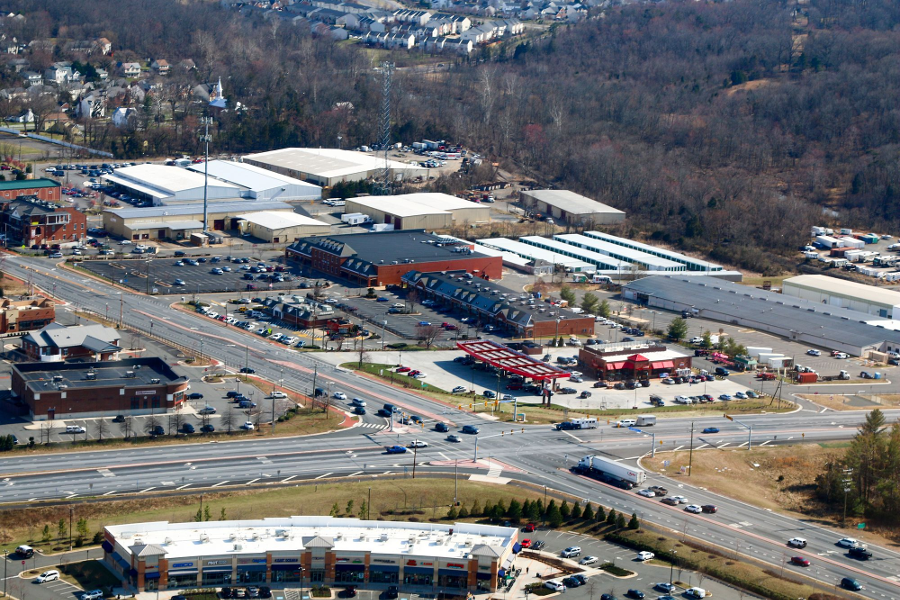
498, 355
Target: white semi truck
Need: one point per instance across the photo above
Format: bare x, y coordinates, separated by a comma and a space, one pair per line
610, 471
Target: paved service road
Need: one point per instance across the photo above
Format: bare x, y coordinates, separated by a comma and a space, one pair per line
542, 459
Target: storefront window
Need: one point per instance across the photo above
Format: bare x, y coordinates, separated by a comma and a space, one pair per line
286, 576
417, 579
251, 576
348, 576
453, 581
182, 581
317, 575
214, 578
377, 576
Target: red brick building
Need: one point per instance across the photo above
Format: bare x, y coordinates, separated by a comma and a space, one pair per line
57, 342
382, 258
637, 362
137, 386
30, 221
44, 189
26, 315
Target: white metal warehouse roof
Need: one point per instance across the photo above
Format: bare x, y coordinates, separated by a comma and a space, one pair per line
629, 255
535, 253
676, 256
166, 179
424, 203
833, 285
571, 202
255, 178
197, 208
609, 263
279, 220
326, 162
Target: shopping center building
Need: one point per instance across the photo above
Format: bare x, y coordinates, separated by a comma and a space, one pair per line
306, 551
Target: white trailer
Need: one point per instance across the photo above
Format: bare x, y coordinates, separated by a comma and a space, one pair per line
611, 471
356, 218
645, 420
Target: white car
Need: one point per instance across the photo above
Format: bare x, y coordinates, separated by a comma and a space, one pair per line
797, 542
588, 560
841, 355
740, 395
571, 552
683, 400
92, 595
646, 493
279, 395
340, 396
643, 556
290, 341
358, 402
849, 543
417, 444
693, 508
47, 576
248, 426
696, 340
626, 423
556, 586
679, 499
75, 429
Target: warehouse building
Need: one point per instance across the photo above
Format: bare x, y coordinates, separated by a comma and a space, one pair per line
569, 207
602, 262
328, 166
641, 261
166, 185
692, 264
791, 318
136, 386
516, 314
44, 189
836, 292
280, 227
419, 211
180, 221
310, 551
539, 260
382, 258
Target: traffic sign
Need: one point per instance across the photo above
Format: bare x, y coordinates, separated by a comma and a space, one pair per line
666, 463
860, 526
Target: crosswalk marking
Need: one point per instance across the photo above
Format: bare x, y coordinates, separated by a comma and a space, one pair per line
494, 470
371, 425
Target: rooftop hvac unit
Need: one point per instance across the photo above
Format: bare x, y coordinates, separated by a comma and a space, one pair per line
90, 376
168, 541
281, 533
255, 536
232, 536
384, 537
129, 373
57, 378
339, 536
204, 538
63, 387
412, 541
238, 547
154, 380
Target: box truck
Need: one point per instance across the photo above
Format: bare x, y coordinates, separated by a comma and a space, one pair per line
610, 471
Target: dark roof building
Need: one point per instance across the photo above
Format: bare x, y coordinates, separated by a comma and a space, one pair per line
517, 313
382, 258
56, 342
134, 386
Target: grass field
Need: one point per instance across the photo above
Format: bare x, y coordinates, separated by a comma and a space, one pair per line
402, 499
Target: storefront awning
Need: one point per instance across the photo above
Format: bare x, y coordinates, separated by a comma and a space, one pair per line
663, 364
107, 547
614, 366
153, 575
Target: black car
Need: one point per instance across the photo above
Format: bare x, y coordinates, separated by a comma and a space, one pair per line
860, 552
469, 429
207, 428
359, 410
179, 597
232, 394
443, 427
157, 430
119, 419
226, 593
253, 591
195, 396
710, 430
265, 592
634, 594
607, 597
489, 394
247, 370
188, 428
391, 592
571, 582
349, 592
581, 578
568, 390
537, 544
179, 253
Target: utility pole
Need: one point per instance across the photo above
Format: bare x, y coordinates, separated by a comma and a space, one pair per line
205, 137
415, 453
71, 516
691, 453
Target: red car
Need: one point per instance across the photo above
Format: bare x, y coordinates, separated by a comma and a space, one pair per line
404, 370
529, 528
413, 373
526, 543
799, 560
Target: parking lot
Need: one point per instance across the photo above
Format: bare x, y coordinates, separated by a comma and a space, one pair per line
164, 276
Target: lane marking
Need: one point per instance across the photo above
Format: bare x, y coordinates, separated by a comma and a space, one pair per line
220, 483
323, 476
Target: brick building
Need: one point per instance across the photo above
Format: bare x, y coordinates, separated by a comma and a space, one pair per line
26, 315
632, 360
382, 258
57, 342
44, 189
136, 386
518, 314
31, 221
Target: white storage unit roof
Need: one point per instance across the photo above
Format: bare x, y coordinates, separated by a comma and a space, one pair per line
654, 263
601, 261
692, 264
533, 253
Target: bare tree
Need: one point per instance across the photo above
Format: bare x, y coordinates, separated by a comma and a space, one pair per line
151, 424
412, 297
101, 428
427, 334
176, 422
228, 419
127, 427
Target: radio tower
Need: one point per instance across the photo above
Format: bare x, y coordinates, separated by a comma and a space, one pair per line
387, 72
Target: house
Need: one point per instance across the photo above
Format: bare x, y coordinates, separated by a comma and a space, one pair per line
350, 21
131, 69
56, 342
32, 78
124, 117
161, 66
370, 24
415, 17
187, 64
59, 74
30, 221
19, 64
338, 33
514, 26
103, 74
104, 46
91, 106
353, 8
326, 15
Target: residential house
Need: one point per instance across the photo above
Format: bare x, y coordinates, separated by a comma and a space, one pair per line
338, 33
32, 78
391, 40
462, 22
161, 66
353, 8
19, 64
57, 343
350, 21
124, 117
187, 64
103, 74
131, 69
514, 27
326, 15
31, 222
80, 47
416, 17
91, 106
104, 46
444, 26
59, 74
370, 24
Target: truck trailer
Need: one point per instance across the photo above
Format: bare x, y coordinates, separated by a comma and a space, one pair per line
610, 471
645, 420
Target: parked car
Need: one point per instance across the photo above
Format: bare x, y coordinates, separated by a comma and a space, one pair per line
51, 575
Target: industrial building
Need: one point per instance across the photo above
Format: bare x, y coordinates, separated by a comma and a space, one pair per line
517, 314
328, 166
602, 262
280, 227
57, 342
539, 260
179, 222
44, 189
166, 185
641, 261
382, 258
792, 318
627, 360
135, 386
310, 551
419, 211
832, 291
692, 264
569, 207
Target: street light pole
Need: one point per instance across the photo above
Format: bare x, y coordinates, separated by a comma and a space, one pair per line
672, 566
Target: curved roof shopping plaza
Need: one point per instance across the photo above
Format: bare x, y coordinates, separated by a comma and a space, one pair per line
309, 551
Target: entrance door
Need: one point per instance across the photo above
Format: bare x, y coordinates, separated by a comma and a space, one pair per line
161, 234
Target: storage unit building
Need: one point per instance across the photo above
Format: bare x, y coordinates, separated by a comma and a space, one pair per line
569, 207
695, 265
602, 262
642, 261
543, 260
278, 227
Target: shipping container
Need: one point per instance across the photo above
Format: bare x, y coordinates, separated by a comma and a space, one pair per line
806, 378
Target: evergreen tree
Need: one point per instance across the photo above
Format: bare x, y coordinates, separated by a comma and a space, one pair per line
554, 516
576, 511
363, 508
475, 511
620, 521
463, 512
514, 512
600, 516
334, 510
199, 516
222, 516
207, 515
452, 513
82, 527
550, 506
525, 507
45, 534
588, 513
534, 511
634, 523
611, 517
501, 509
496, 512
564, 510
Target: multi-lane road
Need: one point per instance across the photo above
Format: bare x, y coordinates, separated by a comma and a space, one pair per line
540, 455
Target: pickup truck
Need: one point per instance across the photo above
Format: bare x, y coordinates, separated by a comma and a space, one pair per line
860, 552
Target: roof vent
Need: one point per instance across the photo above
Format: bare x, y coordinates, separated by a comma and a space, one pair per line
129, 374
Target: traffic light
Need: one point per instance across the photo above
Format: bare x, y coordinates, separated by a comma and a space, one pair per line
485, 403
730, 418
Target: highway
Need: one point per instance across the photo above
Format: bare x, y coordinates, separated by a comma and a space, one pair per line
540, 455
